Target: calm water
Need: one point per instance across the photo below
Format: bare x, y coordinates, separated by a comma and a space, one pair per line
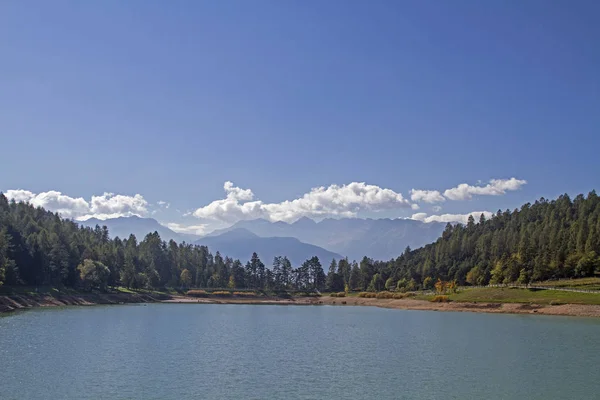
176, 351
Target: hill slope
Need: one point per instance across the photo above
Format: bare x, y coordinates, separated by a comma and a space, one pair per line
545, 240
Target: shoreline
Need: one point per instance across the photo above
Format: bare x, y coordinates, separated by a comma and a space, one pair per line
9, 303
573, 310
15, 302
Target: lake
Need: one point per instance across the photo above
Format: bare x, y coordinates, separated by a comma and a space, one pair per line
181, 351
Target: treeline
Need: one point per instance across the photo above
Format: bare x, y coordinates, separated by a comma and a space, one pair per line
38, 247
546, 240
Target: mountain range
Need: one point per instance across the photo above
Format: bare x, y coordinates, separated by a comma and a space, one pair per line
241, 243
140, 227
381, 239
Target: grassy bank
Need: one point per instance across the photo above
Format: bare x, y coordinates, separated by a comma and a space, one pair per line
517, 295
580, 284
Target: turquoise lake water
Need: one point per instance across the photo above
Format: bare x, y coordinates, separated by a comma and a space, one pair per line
185, 351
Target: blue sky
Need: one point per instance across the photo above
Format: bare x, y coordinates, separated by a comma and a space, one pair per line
170, 100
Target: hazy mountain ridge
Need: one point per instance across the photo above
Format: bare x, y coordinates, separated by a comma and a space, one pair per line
351, 237
240, 243
140, 227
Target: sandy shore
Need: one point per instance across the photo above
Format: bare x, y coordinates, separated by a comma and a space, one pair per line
580, 310
16, 302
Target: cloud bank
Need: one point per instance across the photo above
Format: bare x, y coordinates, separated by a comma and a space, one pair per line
339, 201
427, 196
334, 200
496, 187
464, 191
461, 218
108, 205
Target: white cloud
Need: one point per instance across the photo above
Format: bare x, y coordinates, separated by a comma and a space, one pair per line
462, 218
428, 196
163, 204
414, 206
19, 195
68, 207
110, 205
495, 187
436, 208
341, 201
105, 206
419, 216
237, 193
190, 229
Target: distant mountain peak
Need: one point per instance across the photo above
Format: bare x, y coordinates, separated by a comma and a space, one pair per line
239, 233
240, 243
304, 221
134, 217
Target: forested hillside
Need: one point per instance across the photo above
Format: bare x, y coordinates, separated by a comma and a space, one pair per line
546, 240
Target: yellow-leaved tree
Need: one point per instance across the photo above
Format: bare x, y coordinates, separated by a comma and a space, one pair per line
185, 278
231, 283
440, 286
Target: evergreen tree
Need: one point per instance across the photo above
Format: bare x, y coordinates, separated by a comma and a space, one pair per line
354, 280
334, 281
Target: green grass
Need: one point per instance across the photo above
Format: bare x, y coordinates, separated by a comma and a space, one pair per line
580, 283
515, 295
123, 289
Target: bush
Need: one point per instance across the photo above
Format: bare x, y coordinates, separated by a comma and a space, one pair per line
333, 295
339, 294
197, 293
368, 295
385, 295
93, 274
400, 295
221, 293
244, 293
300, 293
440, 299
